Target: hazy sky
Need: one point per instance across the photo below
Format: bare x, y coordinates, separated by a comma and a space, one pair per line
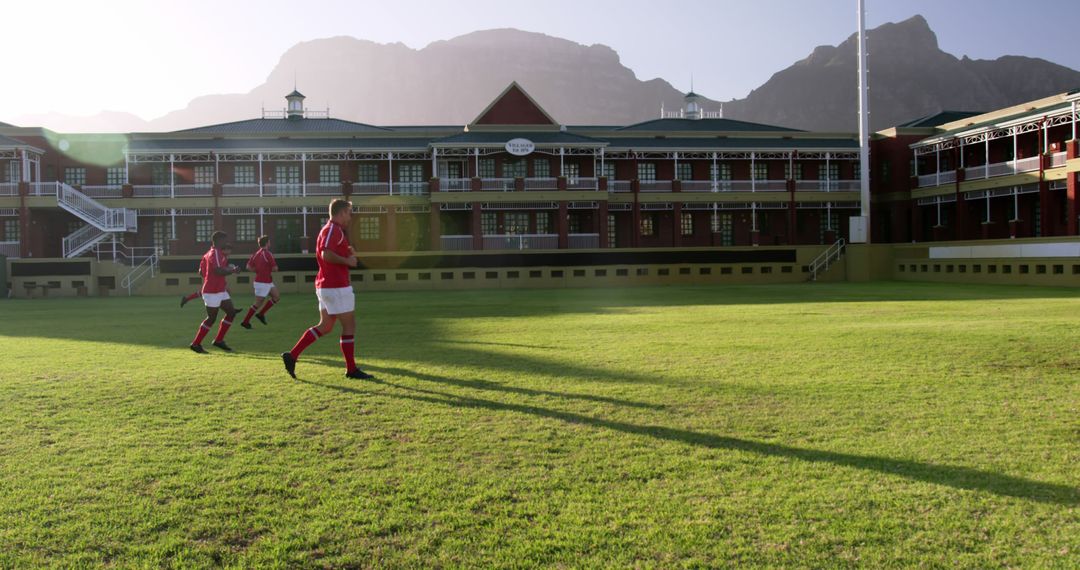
149, 57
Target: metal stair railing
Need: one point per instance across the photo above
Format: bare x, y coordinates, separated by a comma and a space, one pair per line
830, 256
146, 268
94, 212
81, 240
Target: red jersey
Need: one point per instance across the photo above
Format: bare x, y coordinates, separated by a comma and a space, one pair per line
263, 262
212, 282
332, 275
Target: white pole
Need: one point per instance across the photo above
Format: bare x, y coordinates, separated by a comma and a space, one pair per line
435, 163
676, 165
1015, 156
260, 176
986, 151
127, 175
1074, 120
753, 180
828, 174
476, 161
562, 161
715, 175
303, 178
864, 124
390, 174
937, 175
172, 186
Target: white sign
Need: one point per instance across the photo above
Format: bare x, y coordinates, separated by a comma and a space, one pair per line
520, 147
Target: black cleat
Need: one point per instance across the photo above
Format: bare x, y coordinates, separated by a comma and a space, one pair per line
246, 325
290, 363
261, 318
197, 348
359, 375
221, 344
183, 301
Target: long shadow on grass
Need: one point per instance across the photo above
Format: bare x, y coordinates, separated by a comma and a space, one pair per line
956, 477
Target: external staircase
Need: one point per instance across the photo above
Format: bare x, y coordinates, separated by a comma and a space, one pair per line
102, 222
829, 257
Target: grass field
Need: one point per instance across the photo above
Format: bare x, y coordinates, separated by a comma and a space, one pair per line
878, 425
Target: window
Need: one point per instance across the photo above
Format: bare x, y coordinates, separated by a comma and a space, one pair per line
245, 174
159, 175
572, 171
13, 171
288, 180
514, 168
856, 171
574, 223
411, 179
204, 175
245, 229
721, 172
607, 170
516, 222
832, 171
829, 222
11, 230
369, 227
203, 228
543, 222
486, 168
646, 172
162, 234
611, 234
329, 174
789, 175
722, 223
648, 228
489, 223
761, 171
75, 176
368, 173
116, 176
541, 168
684, 171
451, 169
687, 224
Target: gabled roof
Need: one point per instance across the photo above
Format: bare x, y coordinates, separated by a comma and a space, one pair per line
302, 125
704, 125
296, 93
10, 142
3, 124
514, 107
939, 119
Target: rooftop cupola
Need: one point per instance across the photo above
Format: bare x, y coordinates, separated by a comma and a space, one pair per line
693, 105
295, 108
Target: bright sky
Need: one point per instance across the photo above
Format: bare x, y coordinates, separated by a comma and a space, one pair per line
150, 57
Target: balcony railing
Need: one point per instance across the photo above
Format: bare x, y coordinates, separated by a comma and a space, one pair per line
654, 186
619, 186
10, 249
541, 184
324, 189
9, 188
105, 191
699, 186
152, 191
240, 190
583, 241
188, 190
497, 184
410, 188
282, 190
1006, 168
455, 184
1058, 159
521, 241
370, 188
579, 183
456, 243
44, 188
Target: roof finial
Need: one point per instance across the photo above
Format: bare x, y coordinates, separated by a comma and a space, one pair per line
294, 81
691, 81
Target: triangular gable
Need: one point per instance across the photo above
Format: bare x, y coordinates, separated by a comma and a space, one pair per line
514, 107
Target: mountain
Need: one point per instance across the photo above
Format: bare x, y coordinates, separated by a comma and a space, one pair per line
909, 77
450, 82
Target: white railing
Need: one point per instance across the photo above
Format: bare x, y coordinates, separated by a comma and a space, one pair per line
152, 191
44, 188
145, 268
770, 185
583, 241
324, 189
456, 243
497, 184
455, 184
579, 183
410, 188
928, 180
81, 240
740, 185
970, 173
1001, 169
91, 210
831, 255
9, 188
1027, 164
619, 186
654, 186
187, 190
239, 189
283, 190
370, 188
123, 254
947, 177
104, 191
10, 250
521, 241
1058, 159
537, 184
698, 186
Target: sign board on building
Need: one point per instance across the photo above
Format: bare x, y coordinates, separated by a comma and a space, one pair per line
520, 147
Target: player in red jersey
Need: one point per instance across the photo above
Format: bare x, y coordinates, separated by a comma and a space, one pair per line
214, 268
263, 264
334, 290
227, 250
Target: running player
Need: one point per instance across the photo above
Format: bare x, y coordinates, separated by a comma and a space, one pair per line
214, 268
263, 264
334, 291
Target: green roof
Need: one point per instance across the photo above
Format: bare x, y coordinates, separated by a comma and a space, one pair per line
938, 119
704, 125
725, 143
278, 144
300, 125
990, 123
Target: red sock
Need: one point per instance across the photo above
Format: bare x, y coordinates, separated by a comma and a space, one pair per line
266, 307
192, 296
250, 313
204, 328
222, 329
347, 346
311, 335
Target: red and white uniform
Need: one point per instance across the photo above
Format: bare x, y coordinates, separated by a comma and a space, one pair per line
264, 264
213, 289
332, 284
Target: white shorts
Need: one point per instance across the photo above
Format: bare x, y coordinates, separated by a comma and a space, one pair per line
263, 289
336, 300
214, 300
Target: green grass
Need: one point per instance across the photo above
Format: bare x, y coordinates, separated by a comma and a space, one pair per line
874, 425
